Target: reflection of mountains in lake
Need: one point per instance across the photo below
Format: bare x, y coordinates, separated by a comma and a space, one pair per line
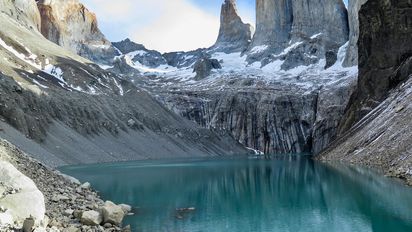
292, 194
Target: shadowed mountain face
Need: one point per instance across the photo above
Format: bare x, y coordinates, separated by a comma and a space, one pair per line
373, 132
385, 51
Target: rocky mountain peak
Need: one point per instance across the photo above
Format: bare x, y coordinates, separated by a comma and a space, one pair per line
71, 25
234, 34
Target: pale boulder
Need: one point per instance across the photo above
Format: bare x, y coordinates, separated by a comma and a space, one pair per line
17, 188
112, 213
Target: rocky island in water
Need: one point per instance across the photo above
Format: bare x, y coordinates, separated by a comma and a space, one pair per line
314, 90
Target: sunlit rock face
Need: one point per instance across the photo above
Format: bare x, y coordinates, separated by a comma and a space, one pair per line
25, 11
351, 58
71, 25
234, 35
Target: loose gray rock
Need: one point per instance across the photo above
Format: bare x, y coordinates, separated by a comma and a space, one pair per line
91, 218
28, 225
112, 213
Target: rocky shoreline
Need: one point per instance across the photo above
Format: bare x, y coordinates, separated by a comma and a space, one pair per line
70, 205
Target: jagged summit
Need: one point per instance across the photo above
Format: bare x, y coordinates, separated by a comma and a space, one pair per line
234, 35
71, 25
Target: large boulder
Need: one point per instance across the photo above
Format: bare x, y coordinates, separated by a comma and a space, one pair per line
91, 218
15, 189
112, 213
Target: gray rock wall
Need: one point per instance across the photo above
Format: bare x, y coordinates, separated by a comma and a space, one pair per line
274, 20
384, 55
351, 58
320, 27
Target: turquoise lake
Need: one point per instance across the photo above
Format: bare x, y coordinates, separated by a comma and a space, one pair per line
291, 193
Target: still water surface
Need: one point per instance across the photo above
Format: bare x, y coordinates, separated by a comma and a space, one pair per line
285, 194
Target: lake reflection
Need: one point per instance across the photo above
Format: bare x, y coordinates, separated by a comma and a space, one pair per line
291, 193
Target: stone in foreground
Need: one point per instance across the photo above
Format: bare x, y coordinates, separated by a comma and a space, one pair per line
112, 213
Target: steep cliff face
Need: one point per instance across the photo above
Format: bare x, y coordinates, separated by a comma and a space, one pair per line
274, 20
381, 136
25, 11
299, 32
351, 58
328, 17
385, 49
71, 25
234, 35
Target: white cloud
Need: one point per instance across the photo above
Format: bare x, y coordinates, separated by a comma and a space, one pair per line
180, 26
164, 25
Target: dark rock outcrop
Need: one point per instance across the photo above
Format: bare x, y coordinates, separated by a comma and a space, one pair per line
204, 66
351, 58
140, 53
234, 35
184, 59
385, 48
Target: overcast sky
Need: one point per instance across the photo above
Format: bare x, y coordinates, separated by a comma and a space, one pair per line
165, 25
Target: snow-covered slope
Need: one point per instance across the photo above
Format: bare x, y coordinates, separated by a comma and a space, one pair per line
234, 97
